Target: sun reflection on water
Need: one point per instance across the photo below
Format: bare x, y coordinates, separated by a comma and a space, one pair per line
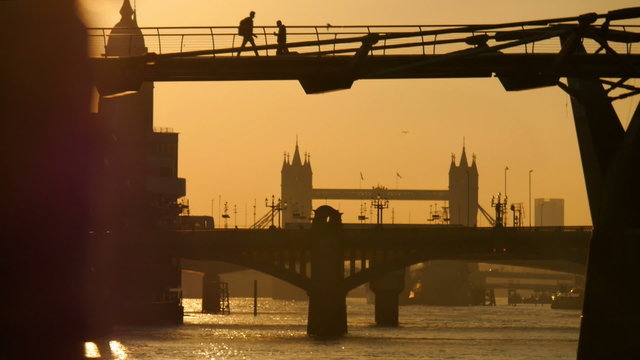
91, 350
118, 351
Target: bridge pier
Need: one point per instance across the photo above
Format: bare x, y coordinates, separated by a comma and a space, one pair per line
610, 160
327, 312
387, 288
211, 293
327, 298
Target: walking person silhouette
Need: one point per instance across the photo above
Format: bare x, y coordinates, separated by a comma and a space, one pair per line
246, 31
282, 39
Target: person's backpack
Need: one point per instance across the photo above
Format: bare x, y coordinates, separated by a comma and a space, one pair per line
243, 28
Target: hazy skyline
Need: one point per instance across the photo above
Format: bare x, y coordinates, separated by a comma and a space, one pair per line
233, 134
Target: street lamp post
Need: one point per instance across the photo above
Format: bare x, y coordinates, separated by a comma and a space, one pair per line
379, 204
505, 193
530, 213
279, 206
226, 216
505, 180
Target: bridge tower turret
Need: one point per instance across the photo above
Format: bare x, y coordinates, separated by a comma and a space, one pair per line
296, 188
463, 191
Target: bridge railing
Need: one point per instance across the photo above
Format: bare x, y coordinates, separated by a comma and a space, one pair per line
331, 40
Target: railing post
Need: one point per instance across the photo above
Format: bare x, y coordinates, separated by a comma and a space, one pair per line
104, 40
435, 39
213, 42
159, 42
266, 41
424, 52
233, 43
317, 37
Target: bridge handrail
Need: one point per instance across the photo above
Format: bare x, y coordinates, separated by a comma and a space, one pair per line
332, 40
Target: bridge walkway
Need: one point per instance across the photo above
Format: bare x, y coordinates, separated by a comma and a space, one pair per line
523, 55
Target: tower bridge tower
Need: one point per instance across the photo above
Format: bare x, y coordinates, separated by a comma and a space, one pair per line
463, 191
296, 188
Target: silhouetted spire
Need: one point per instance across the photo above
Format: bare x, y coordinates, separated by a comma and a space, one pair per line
307, 163
127, 12
285, 163
463, 158
296, 156
452, 166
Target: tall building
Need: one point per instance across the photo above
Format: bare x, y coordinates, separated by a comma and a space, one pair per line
296, 188
463, 191
549, 212
138, 194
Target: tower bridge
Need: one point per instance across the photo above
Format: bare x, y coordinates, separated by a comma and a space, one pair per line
298, 193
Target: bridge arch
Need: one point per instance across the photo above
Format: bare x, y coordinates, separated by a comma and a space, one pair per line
281, 273
569, 264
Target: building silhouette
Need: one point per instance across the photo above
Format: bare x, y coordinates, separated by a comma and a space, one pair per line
138, 194
549, 212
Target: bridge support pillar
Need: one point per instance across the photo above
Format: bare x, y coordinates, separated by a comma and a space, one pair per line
610, 158
211, 293
327, 312
387, 288
327, 297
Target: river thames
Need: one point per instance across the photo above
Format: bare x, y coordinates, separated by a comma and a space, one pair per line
279, 332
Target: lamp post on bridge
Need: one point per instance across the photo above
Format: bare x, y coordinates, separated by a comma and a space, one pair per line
226, 216
530, 213
379, 203
275, 206
506, 168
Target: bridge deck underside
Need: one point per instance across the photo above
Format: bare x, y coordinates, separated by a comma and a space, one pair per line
296, 67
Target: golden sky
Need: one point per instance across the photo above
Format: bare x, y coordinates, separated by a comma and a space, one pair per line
233, 134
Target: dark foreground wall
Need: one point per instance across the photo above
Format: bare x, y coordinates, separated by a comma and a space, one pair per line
46, 158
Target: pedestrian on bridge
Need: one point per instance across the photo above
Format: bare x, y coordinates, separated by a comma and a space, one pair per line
246, 31
282, 39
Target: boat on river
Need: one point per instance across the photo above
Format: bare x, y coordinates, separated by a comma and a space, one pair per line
568, 300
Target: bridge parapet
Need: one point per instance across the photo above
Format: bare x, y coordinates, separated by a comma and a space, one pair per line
329, 40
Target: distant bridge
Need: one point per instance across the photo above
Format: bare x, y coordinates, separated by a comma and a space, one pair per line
330, 260
369, 253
